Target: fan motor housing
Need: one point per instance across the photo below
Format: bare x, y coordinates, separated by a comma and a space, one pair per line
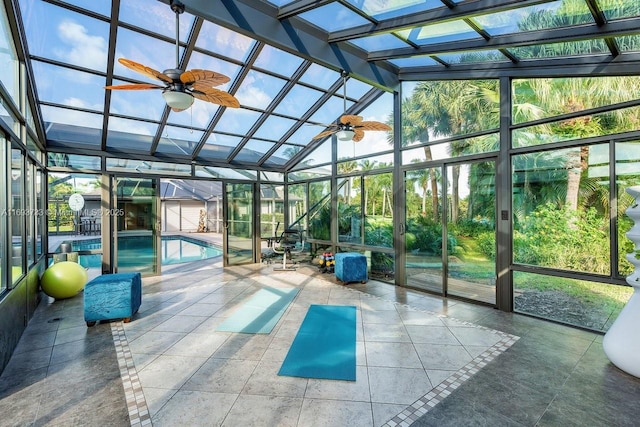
173, 73
177, 84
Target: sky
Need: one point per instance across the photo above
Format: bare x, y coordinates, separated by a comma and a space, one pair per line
61, 35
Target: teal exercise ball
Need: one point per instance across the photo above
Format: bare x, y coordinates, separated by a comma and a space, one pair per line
64, 280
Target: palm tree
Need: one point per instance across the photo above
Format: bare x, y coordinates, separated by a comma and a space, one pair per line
415, 127
385, 182
421, 176
346, 167
367, 165
371, 191
458, 108
290, 152
559, 96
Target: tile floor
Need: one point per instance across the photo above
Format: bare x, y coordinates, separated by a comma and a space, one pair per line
420, 359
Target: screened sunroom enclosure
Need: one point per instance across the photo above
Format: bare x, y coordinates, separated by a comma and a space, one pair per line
558, 214
515, 132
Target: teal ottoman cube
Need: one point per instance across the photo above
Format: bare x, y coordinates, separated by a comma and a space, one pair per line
351, 267
112, 297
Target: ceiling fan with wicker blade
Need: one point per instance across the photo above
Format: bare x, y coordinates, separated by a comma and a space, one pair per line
350, 127
180, 88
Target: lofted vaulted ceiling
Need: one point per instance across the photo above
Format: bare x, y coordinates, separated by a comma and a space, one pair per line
284, 60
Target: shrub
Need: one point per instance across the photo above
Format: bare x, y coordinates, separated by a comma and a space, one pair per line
428, 236
320, 223
563, 238
625, 246
378, 232
487, 244
382, 263
471, 227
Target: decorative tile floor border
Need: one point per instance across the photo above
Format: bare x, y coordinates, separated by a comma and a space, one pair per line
455, 380
136, 403
445, 388
139, 413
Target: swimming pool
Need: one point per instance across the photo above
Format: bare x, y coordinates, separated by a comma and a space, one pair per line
133, 250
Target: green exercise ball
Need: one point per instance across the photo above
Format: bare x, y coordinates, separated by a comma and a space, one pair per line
64, 280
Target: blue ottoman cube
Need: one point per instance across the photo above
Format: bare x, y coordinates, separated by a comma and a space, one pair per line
111, 297
351, 267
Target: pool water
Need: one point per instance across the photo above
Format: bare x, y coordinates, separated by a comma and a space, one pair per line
183, 249
136, 251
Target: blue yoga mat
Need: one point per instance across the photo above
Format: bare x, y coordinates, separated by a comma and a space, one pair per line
325, 346
260, 313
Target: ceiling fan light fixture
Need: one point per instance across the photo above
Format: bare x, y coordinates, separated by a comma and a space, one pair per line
177, 100
345, 135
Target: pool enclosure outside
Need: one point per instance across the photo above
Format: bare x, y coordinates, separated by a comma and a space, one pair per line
515, 132
174, 249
